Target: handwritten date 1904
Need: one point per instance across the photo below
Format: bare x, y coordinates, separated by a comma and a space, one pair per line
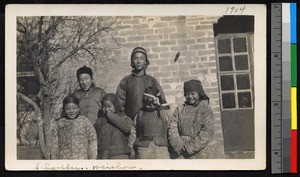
235, 10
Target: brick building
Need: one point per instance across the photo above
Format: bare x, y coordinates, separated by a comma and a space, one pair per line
204, 55
163, 37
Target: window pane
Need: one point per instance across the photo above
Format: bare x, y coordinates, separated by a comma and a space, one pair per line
241, 62
239, 45
227, 82
243, 81
228, 100
244, 99
225, 63
224, 46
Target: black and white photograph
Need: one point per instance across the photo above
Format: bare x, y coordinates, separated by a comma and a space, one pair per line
135, 87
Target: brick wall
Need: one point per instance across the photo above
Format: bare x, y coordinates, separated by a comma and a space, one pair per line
163, 37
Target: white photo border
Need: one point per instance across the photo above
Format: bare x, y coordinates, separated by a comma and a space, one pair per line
13, 11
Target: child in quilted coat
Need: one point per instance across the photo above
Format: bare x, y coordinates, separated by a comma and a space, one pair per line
192, 124
74, 137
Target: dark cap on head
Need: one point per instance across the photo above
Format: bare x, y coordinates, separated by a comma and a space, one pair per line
71, 99
85, 70
195, 85
139, 50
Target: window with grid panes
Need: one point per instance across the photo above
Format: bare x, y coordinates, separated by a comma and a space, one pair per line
234, 71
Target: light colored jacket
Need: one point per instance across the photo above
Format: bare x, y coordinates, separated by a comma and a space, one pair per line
74, 139
191, 128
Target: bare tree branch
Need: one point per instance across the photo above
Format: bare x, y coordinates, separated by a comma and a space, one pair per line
113, 39
19, 24
95, 58
48, 42
40, 23
76, 49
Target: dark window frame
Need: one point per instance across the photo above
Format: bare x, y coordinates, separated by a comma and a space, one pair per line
235, 72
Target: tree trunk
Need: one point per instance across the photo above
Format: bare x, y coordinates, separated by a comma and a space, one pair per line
47, 124
38, 116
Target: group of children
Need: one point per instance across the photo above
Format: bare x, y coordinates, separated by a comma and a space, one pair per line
133, 123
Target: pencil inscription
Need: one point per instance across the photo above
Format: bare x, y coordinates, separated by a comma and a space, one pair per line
235, 10
107, 166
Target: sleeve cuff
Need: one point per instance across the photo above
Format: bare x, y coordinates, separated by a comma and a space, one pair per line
188, 148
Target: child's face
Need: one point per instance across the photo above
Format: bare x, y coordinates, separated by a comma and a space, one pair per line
85, 81
139, 61
192, 97
149, 102
108, 107
72, 110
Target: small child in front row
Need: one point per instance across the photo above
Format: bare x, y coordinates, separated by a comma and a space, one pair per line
192, 124
149, 134
74, 137
113, 128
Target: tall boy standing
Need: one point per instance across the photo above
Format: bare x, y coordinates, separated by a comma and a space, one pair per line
131, 88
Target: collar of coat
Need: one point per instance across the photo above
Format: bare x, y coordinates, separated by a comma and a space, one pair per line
91, 88
141, 73
201, 102
67, 117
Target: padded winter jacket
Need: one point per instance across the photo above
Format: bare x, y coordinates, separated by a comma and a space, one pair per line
74, 139
131, 89
90, 102
113, 135
150, 127
191, 128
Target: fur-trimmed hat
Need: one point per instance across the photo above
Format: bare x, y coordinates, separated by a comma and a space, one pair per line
195, 85
86, 70
70, 99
